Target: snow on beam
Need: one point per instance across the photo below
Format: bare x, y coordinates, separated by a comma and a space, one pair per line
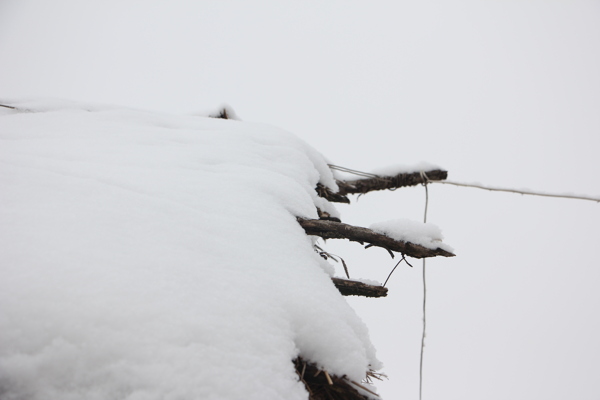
355, 288
366, 185
339, 230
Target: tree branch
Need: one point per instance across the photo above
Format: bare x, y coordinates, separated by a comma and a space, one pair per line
339, 230
355, 288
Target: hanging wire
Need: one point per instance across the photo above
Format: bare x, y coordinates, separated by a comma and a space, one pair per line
426, 181
396, 266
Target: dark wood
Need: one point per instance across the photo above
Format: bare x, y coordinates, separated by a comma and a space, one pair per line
361, 186
224, 113
326, 193
339, 230
355, 288
326, 216
320, 388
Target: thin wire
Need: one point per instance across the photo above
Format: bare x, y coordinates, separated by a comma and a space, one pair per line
528, 192
424, 295
353, 171
396, 266
425, 182
393, 269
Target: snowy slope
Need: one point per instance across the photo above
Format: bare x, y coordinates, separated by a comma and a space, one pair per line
150, 256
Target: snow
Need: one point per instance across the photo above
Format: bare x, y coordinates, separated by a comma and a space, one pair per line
395, 169
425, 234
152, 256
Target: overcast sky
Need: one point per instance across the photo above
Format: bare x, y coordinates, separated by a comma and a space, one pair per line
500, 92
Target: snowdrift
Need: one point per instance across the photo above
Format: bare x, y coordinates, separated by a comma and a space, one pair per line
152, 256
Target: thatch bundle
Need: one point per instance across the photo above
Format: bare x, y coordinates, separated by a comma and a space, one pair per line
323, 386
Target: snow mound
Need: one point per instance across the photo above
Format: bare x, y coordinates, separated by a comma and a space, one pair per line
424, 234
151, 256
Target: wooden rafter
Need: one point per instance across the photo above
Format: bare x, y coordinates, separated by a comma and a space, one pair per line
355, 288
330, 195
339, 230
365, 185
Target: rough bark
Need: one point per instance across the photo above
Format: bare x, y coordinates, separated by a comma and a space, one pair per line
328, 194
322, 386
339, 230
361, 186
355, 288
326, 216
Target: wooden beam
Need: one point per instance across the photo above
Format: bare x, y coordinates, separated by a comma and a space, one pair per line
339, 230
366, 185
355, 288
361, 186
328, 194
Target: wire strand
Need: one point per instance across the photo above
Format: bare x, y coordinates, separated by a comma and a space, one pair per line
353, 171
424, 297
518, 191
393, 269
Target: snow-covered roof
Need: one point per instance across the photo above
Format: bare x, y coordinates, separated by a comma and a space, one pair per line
153, 256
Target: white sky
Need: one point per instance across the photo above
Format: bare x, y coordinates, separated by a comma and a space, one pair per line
505, 93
